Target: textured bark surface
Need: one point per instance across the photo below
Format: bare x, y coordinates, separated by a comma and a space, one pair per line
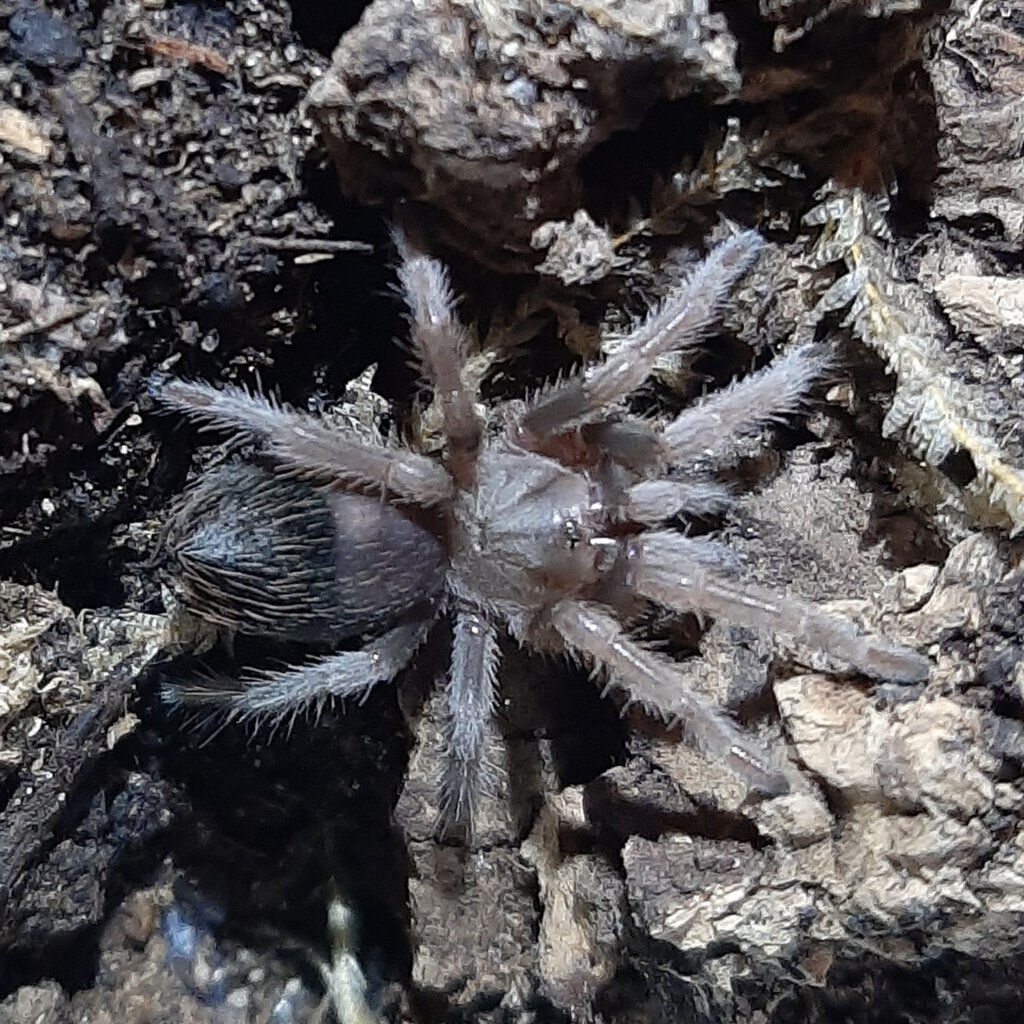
180, 185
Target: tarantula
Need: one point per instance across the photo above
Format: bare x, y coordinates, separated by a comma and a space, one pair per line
544, 517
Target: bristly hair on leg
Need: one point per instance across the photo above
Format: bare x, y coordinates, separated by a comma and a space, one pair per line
650, 680
663, 572
679, 321
469, 700
345, 674
442, 344
710, 429
309, 447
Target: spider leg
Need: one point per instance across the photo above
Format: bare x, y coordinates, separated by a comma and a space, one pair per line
679, 321
653, 681
709, 429
274, 695
469, 703
665, 570
307, 445
440, 339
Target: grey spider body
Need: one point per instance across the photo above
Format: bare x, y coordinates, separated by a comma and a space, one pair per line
546, 519
523, 536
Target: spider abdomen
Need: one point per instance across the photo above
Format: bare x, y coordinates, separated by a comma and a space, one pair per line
266, 554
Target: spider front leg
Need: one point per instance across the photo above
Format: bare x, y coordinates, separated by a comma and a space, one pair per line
309, 446
680, 321
469, 706
273, 695
653, 681
667, 568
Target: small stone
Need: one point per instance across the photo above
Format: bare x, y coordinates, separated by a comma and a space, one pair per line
40, 38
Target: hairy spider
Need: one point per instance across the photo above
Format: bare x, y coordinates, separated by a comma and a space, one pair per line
543, 517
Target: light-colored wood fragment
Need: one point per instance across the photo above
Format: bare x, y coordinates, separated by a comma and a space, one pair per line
982, 305
23, 134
